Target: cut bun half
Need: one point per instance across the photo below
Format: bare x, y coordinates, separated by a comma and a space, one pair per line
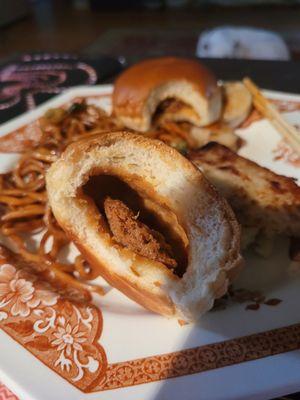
237, 104
143, 87
153, 180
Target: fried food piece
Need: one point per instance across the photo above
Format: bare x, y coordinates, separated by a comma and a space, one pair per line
259, 197
133, 234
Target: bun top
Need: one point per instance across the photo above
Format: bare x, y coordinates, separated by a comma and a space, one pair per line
140, 89
134, 85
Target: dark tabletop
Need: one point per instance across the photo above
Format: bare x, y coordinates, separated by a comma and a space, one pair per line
31, 79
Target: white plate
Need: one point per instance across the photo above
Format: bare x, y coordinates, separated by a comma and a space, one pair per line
224, 362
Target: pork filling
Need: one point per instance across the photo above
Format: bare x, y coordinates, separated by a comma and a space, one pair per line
134, 226
138, 237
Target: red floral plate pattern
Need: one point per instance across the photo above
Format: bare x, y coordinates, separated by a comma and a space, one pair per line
64, 333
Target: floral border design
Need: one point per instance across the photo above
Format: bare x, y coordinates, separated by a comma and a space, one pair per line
6, 394
282, 105
63, 333
60, 331
200, 359
283, 151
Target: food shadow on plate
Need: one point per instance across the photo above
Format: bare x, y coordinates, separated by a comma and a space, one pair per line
266, 276
112, 307
270, 276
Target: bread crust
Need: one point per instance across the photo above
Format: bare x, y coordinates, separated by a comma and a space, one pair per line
139, 90
159, 303
159, 173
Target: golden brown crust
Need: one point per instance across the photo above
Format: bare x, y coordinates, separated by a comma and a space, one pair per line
260, 197
74, 151
133, 87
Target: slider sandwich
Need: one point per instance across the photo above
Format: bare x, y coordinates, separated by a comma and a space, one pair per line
157, 93
142, 88
147, 221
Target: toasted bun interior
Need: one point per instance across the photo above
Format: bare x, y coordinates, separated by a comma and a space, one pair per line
168, 197
141, 88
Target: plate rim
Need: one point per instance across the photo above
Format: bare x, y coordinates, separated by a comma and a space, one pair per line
31, 115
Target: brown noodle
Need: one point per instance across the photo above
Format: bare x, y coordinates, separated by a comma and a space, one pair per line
23, 197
